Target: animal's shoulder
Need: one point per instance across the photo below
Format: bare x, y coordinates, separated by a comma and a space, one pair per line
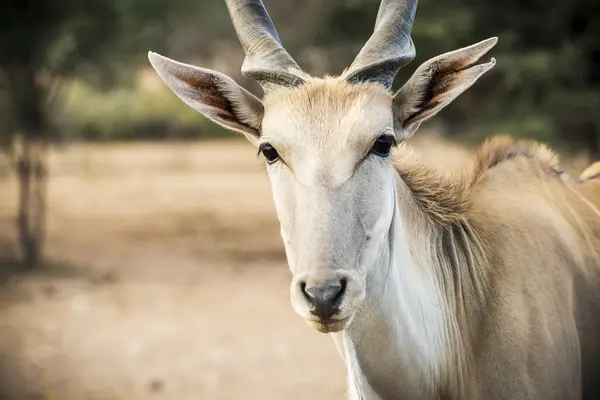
502, 149
492, 172
511, 175
524, 178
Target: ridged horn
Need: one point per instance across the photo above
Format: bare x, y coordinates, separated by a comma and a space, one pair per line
390, 47
266, 60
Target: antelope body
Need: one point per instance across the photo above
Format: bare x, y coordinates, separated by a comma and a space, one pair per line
479, 283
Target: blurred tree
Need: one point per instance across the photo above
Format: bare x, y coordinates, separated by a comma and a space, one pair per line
42, 42
548, 84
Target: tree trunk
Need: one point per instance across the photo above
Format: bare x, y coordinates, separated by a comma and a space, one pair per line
31, 218
28, 99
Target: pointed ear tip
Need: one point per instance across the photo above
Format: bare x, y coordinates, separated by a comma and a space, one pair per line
156, 58
488, 65
157, 61
491, 42
153, 57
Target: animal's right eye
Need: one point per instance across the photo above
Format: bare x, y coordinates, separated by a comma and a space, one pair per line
271, 155
383, 145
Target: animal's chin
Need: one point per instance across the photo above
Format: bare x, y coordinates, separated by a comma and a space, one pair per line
331, 326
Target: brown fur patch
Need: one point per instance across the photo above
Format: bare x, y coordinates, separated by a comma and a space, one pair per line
446, 198
503, 148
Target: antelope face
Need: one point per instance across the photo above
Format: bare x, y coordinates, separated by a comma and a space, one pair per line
327, 147
327, 142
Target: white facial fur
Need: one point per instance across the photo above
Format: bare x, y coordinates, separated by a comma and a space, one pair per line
334, 199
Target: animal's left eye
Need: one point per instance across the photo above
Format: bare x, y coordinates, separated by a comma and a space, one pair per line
271, 155
383, 145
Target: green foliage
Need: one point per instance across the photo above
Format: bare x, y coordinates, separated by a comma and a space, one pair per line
66, 37
125, 113
43, 43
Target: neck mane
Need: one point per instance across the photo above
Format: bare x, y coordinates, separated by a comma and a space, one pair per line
414, 335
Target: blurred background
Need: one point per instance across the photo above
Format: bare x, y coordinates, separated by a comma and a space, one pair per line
140, 255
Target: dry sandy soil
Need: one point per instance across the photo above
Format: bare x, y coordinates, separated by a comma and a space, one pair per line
166, 280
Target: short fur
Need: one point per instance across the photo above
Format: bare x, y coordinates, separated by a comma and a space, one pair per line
448, 197
510, 231
591, 172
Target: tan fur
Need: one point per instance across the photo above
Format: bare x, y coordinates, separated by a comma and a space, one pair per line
510, 233
332, 90
505, 221
447, 197
513, 241
591, 172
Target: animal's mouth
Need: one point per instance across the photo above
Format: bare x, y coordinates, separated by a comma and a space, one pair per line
330, 325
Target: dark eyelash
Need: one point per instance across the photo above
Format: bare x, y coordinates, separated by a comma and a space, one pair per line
392, 137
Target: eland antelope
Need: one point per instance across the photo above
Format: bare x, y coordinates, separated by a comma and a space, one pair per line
479, 283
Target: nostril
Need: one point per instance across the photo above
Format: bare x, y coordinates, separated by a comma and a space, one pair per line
340, 294
307, 296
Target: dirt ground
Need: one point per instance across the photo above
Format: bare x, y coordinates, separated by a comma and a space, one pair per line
166, 279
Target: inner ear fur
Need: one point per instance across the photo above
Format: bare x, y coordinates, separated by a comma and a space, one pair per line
436, 83
215, 95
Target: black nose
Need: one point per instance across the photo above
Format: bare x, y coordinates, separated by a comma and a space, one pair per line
324, 300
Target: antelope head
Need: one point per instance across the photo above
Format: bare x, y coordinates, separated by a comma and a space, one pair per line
327, 143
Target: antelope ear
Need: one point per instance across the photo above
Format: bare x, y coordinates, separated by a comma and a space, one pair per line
436, 83
215, 95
